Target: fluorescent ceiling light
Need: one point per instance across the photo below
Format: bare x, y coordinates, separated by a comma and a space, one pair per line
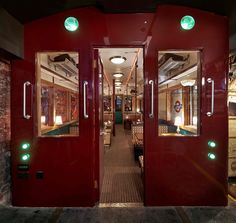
118, 75
117, 59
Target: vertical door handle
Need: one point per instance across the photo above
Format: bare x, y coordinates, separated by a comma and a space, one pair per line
151, 114
211, 81
85, 98
25, 115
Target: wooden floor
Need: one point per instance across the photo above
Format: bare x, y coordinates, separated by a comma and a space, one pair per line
122, 181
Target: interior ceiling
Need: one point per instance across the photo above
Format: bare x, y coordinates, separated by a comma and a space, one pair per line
127, 68
25, 11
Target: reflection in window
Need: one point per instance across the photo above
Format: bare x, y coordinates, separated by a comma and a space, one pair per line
107, 103
178, 93
58, 109
128, 103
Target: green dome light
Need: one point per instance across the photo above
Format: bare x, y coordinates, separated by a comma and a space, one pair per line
187, 22
71, 24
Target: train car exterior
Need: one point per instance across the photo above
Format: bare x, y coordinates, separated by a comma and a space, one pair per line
64, 171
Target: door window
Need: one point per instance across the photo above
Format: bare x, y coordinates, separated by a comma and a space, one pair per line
178, 93
58, 93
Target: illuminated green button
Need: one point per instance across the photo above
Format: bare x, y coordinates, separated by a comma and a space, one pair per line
211, 156
25, 157
187, 22
71, 24
25, 146
212, 144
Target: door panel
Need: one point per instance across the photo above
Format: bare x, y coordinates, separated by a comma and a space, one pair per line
99, 126
185, 105
58, 172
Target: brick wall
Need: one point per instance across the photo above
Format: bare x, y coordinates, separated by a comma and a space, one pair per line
5, 179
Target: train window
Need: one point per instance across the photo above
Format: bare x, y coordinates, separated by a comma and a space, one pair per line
58, 94
178, 93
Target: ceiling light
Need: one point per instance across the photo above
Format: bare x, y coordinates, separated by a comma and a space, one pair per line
188, 83
117, 59
118, 75
117, 87
117, 83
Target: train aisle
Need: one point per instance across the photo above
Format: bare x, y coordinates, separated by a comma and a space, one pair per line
122, 181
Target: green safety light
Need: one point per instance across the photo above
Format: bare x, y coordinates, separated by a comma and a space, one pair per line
187, 22
25, 146
71, 24
25, 157
211, 144
211, 156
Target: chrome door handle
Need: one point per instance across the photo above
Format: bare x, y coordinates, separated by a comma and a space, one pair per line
85, 98
25, 115
211, 81
151, 114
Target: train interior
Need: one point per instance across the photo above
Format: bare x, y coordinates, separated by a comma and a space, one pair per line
123, 125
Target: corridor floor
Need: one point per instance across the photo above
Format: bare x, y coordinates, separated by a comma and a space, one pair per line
122, 181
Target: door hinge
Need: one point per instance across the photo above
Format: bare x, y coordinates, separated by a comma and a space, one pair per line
95, 184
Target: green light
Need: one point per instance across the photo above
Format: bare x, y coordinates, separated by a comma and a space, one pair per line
212, 144
211, 156
25, 146
25, 157
71, 24
187, 22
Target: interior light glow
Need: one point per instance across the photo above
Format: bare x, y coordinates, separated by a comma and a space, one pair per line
25, 157
58, 120
194, 120
71, 24
43, 119
118, 75
187, 83
25, 146
211, 156
187, 22
178, 122
117, 59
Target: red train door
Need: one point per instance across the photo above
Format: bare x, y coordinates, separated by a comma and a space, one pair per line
51, 142
186, 158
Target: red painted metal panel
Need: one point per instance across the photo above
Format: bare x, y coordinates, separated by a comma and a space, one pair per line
177, 171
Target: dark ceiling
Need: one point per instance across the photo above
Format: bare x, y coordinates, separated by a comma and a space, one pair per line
25, 11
